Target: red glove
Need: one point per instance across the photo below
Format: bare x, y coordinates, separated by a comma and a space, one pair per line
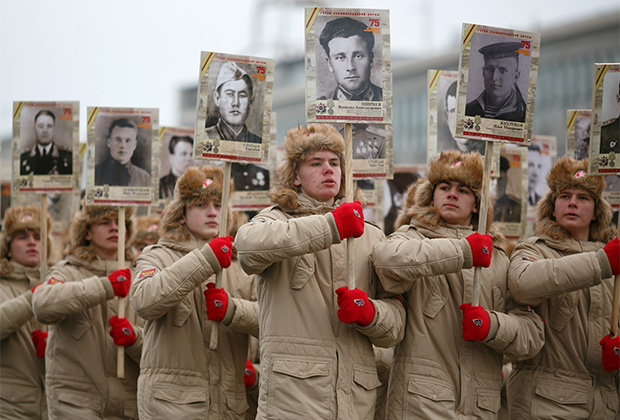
611, 353
121, 281
35, 287
349, 219
122, 331
39, 339
612, 249
222, 248
354, 306
476, 322
217, 302
249, 375
481, 249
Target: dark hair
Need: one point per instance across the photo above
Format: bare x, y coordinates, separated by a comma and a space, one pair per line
345, 28
450, 92
45, 112
122, 123
504, 165
177, 139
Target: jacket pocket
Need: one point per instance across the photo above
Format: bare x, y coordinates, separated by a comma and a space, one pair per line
130, 409
79, 399
560, 400
182, 311
176, 402
364, 392
565, 311
237, 403
489, 401
436, 300
426, 397
16, 394
80, 328
304, 269
298, 387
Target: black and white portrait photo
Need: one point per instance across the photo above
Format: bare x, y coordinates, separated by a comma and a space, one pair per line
582, 135
249, 177
176, 156
610, 125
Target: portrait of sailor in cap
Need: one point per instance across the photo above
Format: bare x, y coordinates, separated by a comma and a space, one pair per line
501, 98
233, 99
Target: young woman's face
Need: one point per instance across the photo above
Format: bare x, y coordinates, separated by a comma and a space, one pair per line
203, 219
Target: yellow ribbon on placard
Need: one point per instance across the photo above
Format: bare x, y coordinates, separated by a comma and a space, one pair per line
162, 131
572, 118
470, 31
434, 79
311, 17
92, 113
600, 75
17, 109
206, 62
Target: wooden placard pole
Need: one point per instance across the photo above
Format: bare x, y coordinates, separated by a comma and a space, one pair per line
482, 212
348, 181
44, 245
615, 307
223, 232
120, 350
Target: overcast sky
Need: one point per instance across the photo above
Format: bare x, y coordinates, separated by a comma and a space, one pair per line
136, 53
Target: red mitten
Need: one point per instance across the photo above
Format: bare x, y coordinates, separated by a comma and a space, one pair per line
349, 219
249, 375
222, 248
476, 322
39, 339
121, 281
611, 353
122, 331
217, 302
354, 306
612, 249
481, 249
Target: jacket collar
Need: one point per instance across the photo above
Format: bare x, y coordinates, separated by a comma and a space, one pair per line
20, 273
184, 247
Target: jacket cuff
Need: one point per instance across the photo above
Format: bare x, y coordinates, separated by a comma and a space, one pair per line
107, 285
333, 228
372, 323
605, 266
209, 255
230, 311
468, 259
493, 327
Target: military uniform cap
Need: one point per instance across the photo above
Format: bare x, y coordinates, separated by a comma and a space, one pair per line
230, 72
500, 50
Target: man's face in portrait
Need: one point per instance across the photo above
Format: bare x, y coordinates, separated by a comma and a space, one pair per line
450, 112
44, 129
534, 168
122, 143
233, 101
500, 75
181, 158
350, 62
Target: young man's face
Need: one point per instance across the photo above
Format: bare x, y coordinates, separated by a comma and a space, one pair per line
500, 75
574, 210
203, 219
455, 202
534, 168
350, 62
25, 248
319, 176
122, 143
181, 158
233, 102
103, 237
44, 129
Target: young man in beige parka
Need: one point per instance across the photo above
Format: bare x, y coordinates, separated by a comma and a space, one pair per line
449, 364
22, 349
180, 377
316, 336
77, 302
565, 273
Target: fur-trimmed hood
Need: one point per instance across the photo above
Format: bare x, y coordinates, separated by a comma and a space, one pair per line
147, 229
569, 173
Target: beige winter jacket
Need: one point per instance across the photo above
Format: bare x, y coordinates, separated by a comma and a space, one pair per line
180, 377
312, 365
436, 374
77, 302
22, 373
569, 283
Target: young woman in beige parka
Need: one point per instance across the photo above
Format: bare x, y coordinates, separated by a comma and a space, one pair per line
449, 363
22, 349
180, 377
316, 337
564, 272
77, 302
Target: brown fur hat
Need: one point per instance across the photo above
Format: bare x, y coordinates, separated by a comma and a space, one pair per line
147, 229
196, 184
79, 246
569, 173
465, 168
299, 144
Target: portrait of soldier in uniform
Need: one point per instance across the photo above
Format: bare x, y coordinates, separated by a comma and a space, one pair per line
233, 98
501, 98
45, 157
248, 177
446, 129
117, 169
535, 173
349, 50
582, 137
507, 207
368, 141
610, 130
181, 156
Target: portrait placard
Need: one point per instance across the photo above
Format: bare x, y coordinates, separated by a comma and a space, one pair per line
605, 126
541, 155
348, 69
177, 154
235, 95
395, 192
498, 69
373, 155
122, 156
372, 190
510, 192
45, 144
